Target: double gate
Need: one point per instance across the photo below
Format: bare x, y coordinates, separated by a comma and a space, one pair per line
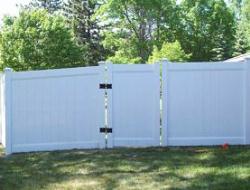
93, 107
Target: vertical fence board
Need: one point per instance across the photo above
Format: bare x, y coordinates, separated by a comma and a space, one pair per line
164, 103
8, 111
247, 102
1, 108
109, 80
102, 91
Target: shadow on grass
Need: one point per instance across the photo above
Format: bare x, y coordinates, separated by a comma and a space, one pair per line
189, 168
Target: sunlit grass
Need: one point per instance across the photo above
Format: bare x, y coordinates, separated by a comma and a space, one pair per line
153, 168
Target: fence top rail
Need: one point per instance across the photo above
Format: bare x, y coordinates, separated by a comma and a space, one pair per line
204, 66
56, 72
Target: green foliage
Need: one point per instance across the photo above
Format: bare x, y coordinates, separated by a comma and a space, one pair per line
171, 51
50, 5
198, 25
80, 16
139, 24
128, 31
246, 20
123, 46
204, 23
241, 44
241, 10
37, 40
121, 57
236, 6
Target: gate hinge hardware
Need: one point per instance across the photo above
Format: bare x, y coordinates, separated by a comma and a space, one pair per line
105, 130
105, 86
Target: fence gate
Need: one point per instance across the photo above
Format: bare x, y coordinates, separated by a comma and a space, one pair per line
54, 110
65, 108
133, 105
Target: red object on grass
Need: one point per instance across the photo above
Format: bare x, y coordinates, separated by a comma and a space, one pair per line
225, 146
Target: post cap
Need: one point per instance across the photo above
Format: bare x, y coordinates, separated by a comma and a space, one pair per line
247, 59
7, 69
164, 60
101, 63
109, 62
104, 62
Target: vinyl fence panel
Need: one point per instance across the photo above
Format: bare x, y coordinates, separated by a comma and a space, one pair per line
53, 110
1, 110
136, 105
205, 103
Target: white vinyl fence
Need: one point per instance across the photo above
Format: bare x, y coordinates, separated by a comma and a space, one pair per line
119, 106
65, 108
1, 110
206, 103
135, 110
52, 110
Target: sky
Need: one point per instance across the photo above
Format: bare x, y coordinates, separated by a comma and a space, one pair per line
9, 7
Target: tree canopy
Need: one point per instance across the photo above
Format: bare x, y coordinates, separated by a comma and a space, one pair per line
37, 40
50, 5
246, 20
171, 51
138, 24
80, 17
60, 33
207, 27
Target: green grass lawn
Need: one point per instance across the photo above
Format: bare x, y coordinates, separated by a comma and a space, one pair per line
153, 168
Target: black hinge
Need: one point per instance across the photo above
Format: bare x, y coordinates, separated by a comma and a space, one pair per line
105, 130
105, 86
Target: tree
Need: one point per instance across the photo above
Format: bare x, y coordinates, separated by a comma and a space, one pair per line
171, 51
218, 52
246, 20
241, 44
38, 40
236, 6
204, 23
121, 57
79, 14
50, 5
140, 24
123, 46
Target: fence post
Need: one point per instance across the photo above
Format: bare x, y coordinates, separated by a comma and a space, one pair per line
107, 139
110, 104
7, 109
1, 109
247, 102
164, 116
